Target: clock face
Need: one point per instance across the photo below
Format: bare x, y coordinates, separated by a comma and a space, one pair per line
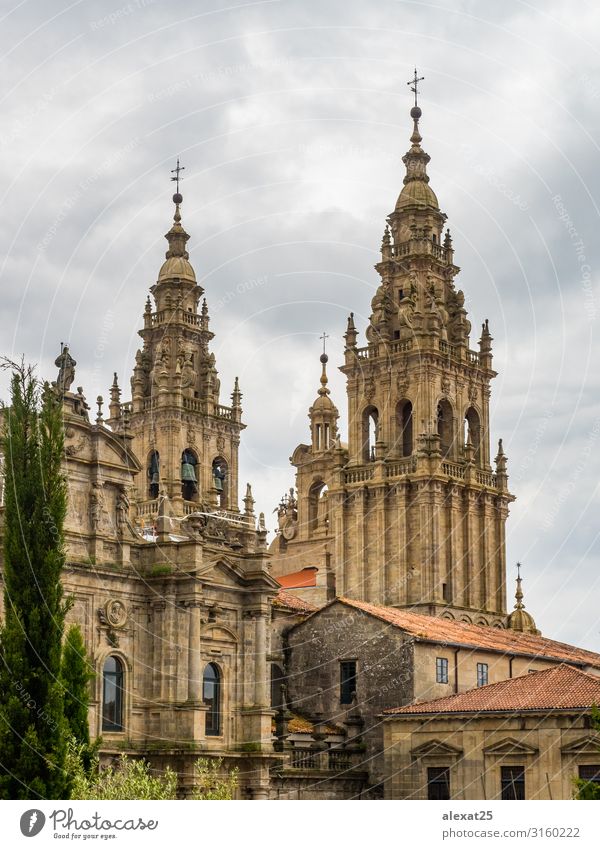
289, 530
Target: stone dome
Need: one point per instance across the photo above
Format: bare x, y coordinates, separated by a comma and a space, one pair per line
417, 193
176, 266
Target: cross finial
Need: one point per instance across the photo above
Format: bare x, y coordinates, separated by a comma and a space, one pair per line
177, 171
324, 337
414, 85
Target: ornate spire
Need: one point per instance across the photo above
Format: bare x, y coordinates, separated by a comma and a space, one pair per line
520, 619
351, 333
177, 265
416, 192
115, 396
324, 389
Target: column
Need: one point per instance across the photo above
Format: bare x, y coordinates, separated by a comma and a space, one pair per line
195, 671
260, 660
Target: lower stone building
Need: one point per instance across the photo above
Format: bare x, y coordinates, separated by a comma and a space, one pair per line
524, 738
354, 659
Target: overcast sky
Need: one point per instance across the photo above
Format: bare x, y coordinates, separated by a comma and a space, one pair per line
291, 118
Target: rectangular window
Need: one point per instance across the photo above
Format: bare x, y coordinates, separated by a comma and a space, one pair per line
590, 773
438, 782
347, 681
441, 670
482, 674
512, 782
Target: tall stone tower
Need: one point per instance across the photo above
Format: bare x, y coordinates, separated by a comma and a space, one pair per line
186, 439
415, 515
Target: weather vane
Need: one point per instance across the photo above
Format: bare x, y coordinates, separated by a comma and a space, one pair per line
414, 85
518, 570
324, 337
177, 171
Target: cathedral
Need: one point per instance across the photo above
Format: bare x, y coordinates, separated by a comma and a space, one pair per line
302, 663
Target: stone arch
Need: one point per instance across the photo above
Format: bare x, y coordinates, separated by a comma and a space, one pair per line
445, 427
153, 467
472, 432
189, 475
404, 427
370, 432
220, 480
318, 506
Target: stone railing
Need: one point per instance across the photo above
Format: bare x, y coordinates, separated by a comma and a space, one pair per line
147, 508
486, 478
174, 316
224, 412
421, 246
403, 467
334, 760
453, 470
358, 474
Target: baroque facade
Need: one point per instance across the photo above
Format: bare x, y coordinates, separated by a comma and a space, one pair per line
384, 584
409, 512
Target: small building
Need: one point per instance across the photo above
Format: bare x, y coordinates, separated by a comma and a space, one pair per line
525, 738
352, 657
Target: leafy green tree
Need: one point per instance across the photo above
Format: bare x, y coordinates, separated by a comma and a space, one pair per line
589, 789
134, 779
76, 674
32, 722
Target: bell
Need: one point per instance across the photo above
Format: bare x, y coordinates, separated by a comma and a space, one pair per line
188, 473
154, 479
218, 484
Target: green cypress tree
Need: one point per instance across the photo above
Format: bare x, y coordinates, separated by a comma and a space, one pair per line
76, 674
33, 729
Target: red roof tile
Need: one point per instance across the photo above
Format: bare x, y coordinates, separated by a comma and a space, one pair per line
295, 580
292, 602
449, 632
559, 688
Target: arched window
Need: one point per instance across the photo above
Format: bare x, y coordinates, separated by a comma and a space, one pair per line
277, 681
405, 427
189, 480
370, 432
473, 432
318, 506
445, 427
211, 696
112, 694
220, 474
153, 473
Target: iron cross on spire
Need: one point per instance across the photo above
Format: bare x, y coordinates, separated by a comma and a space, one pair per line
414, 85
324, 337
177, 171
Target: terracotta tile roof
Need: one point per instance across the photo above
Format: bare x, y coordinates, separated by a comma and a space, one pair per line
292, 602
560, 688
295, 580
449, 632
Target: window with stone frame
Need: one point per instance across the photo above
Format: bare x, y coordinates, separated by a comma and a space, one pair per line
441, 670
589, 772
112, 694
438, 782
482, 674
347, 681
512, 782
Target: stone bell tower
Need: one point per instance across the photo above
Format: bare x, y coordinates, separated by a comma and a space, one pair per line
415, 513
186, 439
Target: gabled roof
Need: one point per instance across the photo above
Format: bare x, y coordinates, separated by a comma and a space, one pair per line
434, 629
296, 580
560, 688
293, 603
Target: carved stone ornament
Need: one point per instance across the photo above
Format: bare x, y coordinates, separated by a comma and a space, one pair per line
115, 613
